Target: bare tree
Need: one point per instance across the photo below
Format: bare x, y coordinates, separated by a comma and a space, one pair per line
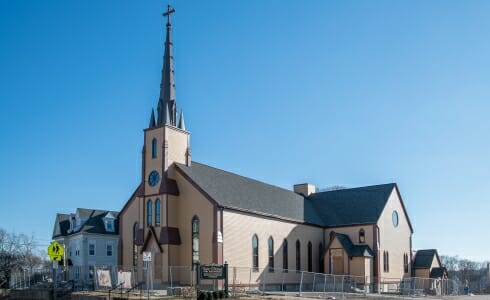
16, 252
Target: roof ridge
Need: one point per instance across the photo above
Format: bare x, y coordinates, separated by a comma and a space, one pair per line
241, 176
357, 188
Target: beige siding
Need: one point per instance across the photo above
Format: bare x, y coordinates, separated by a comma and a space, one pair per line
395, 240
239, 229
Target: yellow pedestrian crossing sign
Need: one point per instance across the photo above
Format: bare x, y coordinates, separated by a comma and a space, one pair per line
56, 251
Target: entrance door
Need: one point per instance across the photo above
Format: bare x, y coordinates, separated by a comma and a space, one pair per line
337, 261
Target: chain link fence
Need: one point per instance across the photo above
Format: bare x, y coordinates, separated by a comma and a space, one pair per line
183, 281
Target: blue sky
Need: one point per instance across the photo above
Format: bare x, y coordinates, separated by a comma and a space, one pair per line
345, 93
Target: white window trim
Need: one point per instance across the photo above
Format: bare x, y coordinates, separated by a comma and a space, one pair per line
112, 249
95, 248
111, 223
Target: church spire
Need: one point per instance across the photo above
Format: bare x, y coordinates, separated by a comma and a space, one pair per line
167, 99
152, 119
181, 121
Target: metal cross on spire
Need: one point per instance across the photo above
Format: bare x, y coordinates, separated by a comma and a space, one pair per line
170, 10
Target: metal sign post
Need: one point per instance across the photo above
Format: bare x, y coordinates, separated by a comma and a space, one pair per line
55, 252
147, 261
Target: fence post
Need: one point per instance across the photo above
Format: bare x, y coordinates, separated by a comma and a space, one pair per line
249, 278
324, 284
282, 281
313, 286
301, 284
171, 280
234, 281
264, 278
342, 286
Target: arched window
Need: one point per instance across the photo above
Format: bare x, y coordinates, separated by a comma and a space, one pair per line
285, 256
135, 247
310, 257
298, 256
255, 253
321, 266
362, 236
270, 243
148, 212
154, 148
157, 212
195, 240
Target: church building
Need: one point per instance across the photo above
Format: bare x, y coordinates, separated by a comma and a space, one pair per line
185, 212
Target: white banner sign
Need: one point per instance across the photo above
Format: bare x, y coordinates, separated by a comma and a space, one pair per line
146, 256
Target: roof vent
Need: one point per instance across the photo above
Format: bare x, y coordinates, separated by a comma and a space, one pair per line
304, 189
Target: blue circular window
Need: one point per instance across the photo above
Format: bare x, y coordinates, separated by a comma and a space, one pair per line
394, 218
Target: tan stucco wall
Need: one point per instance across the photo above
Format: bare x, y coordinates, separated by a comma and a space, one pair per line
422, 273
132, 214
395, 240
190, 203
156, 163
177, 143
239, 229
353, 233
357, 266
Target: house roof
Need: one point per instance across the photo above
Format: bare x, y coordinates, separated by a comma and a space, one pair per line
423, 258
362, 205
351, 249
233, 191
93, 222
439, 272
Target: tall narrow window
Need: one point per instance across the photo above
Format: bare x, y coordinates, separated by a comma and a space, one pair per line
135, 247
405, 263
362, 236
285, 256
321, 266
157, 212
109, 249
310, 257
298, 256
91, 248
149, 205
154, 148
271, 254
386, 261
195, 240
255, 253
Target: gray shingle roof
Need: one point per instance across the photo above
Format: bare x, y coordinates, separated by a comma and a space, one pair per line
362, 205
233, 191
423, 258
351, 249
94, 222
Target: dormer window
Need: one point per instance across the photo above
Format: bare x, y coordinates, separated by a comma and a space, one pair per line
109, 222
71, 226
109, 225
